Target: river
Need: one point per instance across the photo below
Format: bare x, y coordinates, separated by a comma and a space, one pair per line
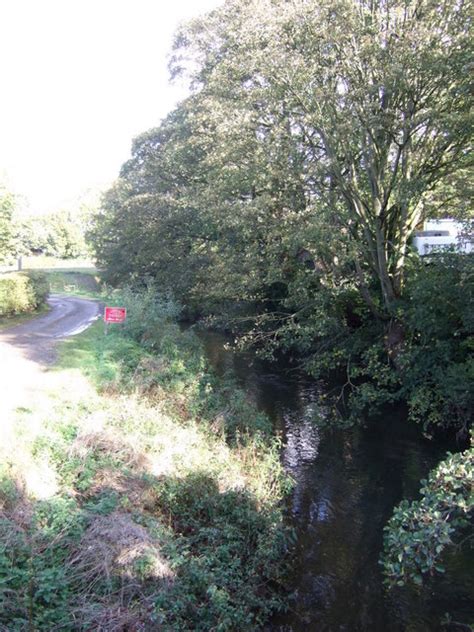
347, 482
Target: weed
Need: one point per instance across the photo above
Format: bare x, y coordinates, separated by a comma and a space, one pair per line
165, 513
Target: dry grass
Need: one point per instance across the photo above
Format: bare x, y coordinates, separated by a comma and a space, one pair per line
108, 442
122, 556
112, 546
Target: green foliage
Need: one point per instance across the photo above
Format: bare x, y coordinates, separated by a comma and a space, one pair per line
228, 553
431, 366
437, 359
175, 361
40, 285
34, 587
169, 520
148, 200
300, 112
151, 317
419, 532
7, 228
60, 234
223, 401
279, 199
23, 292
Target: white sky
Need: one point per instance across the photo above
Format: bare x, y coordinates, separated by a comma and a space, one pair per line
80, 79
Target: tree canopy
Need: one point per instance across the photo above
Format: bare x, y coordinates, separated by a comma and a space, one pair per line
324, 130
364, 105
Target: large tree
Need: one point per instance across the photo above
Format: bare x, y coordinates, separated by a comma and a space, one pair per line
152, 222
374, 95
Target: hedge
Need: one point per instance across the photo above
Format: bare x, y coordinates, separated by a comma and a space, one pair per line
22, 292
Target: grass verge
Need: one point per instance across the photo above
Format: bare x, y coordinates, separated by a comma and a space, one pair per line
45, 262
84, 283
140, 493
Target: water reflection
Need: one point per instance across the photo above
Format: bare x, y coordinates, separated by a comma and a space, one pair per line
301, 445
347, 483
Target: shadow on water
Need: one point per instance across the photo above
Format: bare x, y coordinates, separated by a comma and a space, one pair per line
347, 483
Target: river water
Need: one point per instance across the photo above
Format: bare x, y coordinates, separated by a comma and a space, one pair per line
346, 485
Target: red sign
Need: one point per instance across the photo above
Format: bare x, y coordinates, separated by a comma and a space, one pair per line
115, 314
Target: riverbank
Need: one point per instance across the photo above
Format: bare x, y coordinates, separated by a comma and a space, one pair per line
139, 490
347, 483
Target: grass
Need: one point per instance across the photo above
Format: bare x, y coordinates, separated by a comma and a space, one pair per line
138, 492
43, 262
84, 283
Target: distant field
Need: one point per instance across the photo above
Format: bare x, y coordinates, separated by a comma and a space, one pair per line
51, 263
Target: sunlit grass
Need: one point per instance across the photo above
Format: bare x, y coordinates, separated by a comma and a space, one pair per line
43, 262
84, 283
112, 483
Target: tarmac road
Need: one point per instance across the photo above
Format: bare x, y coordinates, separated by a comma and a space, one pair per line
68, 316
28, 350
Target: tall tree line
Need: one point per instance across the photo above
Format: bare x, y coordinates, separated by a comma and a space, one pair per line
316, 132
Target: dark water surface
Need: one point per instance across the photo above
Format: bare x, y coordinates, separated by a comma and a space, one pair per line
347, 483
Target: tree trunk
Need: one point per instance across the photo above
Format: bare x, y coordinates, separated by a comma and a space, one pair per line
394, 341
386, 283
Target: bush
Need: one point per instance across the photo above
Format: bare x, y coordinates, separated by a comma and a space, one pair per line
39, 283
230, 557
418, 532
22, 292
434, 368
437, 361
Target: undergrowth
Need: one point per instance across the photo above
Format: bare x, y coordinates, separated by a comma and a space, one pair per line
418, 533
142, 494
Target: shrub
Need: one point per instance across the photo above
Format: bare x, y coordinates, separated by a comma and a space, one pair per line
40, 286
23, 292
434, 372
229, 561
418, 532
438, 367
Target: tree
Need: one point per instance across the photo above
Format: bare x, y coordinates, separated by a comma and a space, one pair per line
7, 226
375, 96
149, 224
318, 132
60, 234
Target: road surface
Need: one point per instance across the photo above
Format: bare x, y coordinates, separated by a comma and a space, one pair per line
28, 350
